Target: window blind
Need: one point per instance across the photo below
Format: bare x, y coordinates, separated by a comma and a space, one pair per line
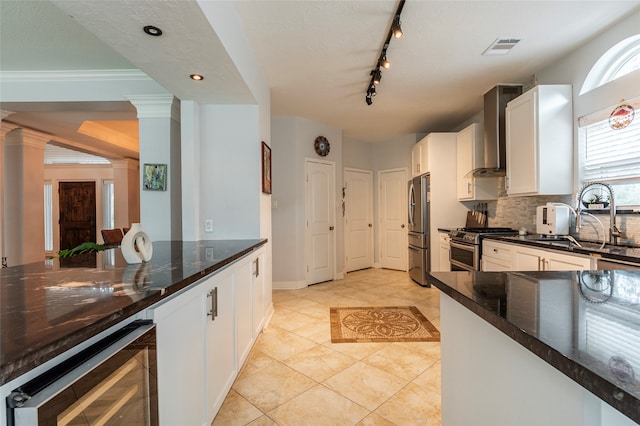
612, 155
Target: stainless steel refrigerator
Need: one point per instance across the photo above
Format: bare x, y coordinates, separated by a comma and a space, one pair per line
419, 202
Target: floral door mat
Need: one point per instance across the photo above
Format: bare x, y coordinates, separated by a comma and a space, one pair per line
381, 324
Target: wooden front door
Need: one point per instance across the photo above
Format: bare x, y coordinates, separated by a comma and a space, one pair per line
77, 213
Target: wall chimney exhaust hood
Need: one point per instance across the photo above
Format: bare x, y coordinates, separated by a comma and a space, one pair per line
495, 138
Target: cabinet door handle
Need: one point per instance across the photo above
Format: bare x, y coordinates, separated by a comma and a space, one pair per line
215, 304
257, 263
212, 308
468, 187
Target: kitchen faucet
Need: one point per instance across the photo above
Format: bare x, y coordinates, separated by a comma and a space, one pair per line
614, 232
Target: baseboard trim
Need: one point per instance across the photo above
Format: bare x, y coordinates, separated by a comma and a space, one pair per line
288, 285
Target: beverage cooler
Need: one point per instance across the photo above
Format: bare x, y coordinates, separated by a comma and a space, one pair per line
112, 382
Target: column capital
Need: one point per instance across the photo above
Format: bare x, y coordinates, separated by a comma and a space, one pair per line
159, 106
26, 137
4, 114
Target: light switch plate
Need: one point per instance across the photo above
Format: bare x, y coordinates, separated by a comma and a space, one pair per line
208, 225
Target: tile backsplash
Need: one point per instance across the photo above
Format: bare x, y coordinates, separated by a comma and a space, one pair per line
520, 212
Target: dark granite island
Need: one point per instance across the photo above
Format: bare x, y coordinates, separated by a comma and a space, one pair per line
532, 348
54, 307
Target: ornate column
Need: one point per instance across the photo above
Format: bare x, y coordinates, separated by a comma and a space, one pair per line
23, 198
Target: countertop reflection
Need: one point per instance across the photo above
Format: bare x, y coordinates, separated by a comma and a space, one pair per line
49, 307
584, 323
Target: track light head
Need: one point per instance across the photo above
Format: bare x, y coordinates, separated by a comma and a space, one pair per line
396, 28
384, 63
369, 100
377, 75
372, 90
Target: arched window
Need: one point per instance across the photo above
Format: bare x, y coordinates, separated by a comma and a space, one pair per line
609, 153
621, 59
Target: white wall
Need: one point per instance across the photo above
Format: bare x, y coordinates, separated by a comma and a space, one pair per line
357, 155
293, 141
230, 171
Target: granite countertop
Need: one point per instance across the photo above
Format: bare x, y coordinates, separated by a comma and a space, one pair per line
49, 307
586, 324
621, 253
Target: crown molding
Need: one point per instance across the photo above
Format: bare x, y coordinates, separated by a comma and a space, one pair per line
72, 75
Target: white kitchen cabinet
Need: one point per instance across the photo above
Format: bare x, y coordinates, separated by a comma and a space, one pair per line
502, 256
439, 152
496, 256
220, 357
258, 291
444, 249
420, 158
189, 336
470, 156
244, 309
532, 259
539, 132
204, 335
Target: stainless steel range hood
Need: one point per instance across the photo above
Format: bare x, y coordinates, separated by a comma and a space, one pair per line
495, 142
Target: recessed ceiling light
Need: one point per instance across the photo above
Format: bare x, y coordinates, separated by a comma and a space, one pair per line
153, 31
501, 46
196, 77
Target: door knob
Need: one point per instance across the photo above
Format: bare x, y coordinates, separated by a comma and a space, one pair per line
402, 226
370, 225
331, 228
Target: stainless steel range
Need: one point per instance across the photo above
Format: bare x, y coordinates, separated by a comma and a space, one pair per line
466, 246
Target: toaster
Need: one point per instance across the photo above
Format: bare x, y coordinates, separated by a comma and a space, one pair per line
552, 220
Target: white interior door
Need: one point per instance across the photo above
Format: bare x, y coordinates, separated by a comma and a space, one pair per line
393, 218
320, 221
358, 212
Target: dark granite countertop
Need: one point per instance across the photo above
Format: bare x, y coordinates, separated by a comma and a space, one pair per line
49, 307
620, 253
586, 324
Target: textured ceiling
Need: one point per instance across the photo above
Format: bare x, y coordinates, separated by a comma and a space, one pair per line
316, 54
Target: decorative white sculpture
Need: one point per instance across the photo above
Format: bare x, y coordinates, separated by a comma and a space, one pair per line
136, 246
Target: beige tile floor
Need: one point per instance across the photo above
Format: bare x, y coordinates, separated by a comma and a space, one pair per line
296, 376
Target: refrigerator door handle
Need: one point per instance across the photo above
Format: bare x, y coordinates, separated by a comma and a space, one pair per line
412, 204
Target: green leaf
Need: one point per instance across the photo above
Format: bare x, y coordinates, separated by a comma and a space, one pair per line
83, 248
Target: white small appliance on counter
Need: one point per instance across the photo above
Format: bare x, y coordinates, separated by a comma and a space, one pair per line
552, 219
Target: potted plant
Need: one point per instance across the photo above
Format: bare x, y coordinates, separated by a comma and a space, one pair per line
596, 201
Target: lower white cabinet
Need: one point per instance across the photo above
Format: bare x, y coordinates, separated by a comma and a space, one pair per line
204, 335
194, 333
444, 250
501, 256
259, 295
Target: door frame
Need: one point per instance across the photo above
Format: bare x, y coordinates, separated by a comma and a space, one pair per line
379, 214
332, 196
371, 211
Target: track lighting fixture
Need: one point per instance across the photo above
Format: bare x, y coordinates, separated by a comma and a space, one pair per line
383, 62
396, 28
376, 75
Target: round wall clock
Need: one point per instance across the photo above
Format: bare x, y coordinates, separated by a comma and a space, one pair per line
322, 146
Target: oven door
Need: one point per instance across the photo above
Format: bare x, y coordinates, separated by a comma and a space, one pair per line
111, 382
464, 257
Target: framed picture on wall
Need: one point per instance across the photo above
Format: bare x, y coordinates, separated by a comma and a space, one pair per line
154, 177
266, 168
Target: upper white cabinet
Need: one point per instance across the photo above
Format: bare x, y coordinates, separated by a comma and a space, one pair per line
420, 158
539, 130
470, 156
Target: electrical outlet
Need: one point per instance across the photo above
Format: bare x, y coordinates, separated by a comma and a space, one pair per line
208, 225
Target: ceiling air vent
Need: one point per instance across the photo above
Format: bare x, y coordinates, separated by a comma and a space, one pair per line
501, 46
